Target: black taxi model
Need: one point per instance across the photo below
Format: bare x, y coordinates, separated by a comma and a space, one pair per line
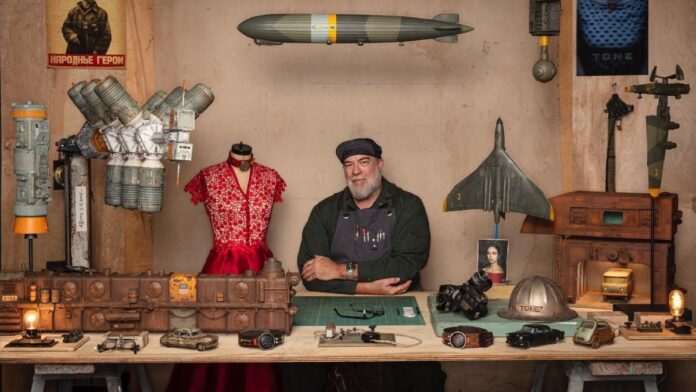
534, 335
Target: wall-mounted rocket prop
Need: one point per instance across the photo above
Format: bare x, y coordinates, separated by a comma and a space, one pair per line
658, 126
544, 21
33, 187
499, 185
276, 29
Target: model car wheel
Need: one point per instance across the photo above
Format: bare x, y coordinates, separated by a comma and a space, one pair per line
525, 344
200, 347
595, 342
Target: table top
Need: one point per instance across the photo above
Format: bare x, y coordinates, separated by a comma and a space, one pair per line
302, 346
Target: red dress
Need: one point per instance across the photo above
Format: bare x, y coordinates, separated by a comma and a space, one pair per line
240, 222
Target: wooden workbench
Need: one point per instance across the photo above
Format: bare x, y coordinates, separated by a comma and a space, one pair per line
301, 346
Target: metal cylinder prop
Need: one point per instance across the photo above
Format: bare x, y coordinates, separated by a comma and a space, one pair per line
33, 190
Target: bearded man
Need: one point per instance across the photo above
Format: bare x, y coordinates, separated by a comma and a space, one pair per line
371, 238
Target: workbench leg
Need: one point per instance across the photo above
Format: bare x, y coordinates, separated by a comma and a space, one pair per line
38, 383
67, 385
113, 383
539, 374
575, 377
650, 384
144, 379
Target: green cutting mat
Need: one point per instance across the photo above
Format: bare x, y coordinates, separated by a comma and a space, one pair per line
320, 310
492, 322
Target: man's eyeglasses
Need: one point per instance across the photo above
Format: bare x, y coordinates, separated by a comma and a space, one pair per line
365, 314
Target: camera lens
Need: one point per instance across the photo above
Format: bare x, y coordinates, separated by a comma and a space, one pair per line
480, 281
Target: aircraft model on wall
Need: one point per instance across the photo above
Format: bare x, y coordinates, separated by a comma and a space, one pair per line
276, 29
499, 185
658, 126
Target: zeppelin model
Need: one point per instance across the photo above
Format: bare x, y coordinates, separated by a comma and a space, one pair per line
276, 29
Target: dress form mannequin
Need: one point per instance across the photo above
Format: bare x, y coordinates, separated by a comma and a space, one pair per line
238, 195
241, 153
242, 176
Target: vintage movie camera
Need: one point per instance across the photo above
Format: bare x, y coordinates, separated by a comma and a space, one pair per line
469, 298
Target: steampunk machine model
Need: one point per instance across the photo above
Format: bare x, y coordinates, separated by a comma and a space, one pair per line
33, 190
597, 231
276, 29
100, 302
136, 138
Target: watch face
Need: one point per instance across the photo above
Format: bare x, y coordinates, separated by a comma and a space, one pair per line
266, 341
458, 340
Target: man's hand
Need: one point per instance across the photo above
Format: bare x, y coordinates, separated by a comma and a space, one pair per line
73, 38
322, 268
388, 286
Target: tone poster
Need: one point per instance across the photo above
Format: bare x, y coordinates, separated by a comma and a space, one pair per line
612, 37
86, 33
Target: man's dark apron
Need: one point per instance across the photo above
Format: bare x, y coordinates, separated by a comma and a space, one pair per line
363, 235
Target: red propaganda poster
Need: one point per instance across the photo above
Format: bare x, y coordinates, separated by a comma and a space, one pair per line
86, 33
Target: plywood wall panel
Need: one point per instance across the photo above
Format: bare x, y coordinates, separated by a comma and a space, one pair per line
672, 40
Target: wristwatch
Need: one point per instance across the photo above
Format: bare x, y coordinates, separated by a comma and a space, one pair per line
463, 336
264, 339
350, 267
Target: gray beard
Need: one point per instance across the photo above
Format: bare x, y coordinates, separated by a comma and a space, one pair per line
364, 192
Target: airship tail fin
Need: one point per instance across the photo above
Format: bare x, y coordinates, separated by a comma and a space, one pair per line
263, 42
452, 18
450, 39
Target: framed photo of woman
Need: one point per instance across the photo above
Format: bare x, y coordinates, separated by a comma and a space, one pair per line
492, 258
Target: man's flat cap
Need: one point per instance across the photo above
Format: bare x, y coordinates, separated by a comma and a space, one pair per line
362, 146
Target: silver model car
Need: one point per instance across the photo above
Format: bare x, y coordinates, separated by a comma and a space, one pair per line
189, 338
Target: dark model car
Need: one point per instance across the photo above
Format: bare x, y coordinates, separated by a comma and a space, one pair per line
534, 335
594, 333
189, 338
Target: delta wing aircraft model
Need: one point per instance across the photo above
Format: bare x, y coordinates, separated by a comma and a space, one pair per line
499, 185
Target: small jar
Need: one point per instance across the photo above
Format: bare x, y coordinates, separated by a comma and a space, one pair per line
33, 292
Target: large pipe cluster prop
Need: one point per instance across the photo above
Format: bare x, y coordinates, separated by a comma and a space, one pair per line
135, 138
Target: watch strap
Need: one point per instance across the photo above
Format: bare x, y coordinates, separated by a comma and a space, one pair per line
476, 337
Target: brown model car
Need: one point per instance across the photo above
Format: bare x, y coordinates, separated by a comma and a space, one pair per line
594, 333
189, 338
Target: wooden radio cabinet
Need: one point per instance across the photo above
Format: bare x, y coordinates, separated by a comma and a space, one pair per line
595, 231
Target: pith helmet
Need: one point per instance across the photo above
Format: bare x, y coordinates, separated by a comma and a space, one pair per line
537, 298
